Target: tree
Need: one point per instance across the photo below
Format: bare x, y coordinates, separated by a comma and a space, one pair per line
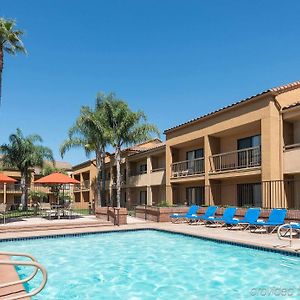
23, 153
90, 133
49, 169
125, 128
10, 42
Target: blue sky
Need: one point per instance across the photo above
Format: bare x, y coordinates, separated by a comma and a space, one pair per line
173, 59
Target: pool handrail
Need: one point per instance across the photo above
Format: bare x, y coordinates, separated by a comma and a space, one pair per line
33, 263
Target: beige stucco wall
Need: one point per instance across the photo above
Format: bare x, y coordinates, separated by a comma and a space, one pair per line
288, 98
291, 161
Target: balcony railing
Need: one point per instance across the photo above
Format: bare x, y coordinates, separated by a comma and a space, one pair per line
85, 185
234, 160
187, 168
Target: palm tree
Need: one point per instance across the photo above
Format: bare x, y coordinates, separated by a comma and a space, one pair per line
23, 153
89, 133
125, 128
10, 42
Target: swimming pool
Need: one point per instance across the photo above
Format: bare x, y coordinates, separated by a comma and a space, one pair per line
150, 264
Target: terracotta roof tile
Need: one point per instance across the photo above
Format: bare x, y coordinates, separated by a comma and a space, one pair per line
291, 105
275, 90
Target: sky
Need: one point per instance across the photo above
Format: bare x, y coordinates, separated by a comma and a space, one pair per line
173, 59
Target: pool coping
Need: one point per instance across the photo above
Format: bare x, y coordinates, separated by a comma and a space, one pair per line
252, 245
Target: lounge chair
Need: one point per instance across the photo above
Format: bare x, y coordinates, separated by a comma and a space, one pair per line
228, 215
276, 218
250, 217
210, 212
183, 217
3, 211
47, 211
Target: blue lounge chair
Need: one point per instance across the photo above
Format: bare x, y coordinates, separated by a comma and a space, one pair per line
250, 217
210, 212
228, 215
276, 218
182, 217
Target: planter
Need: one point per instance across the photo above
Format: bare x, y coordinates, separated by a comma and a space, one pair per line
118, 216
159, 214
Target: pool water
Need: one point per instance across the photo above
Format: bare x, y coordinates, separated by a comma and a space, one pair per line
156, 265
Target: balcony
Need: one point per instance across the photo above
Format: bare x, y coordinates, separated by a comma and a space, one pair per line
236, 160
84, 185
291, 161
158, 176
187, 168
11, 188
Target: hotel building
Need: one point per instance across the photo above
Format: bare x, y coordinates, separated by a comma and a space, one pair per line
244, 154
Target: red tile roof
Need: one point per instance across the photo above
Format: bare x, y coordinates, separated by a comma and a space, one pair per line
276, 90
291, 105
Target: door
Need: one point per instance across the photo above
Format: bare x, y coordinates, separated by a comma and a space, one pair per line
249, 194
195, 195
251, 157
192, 165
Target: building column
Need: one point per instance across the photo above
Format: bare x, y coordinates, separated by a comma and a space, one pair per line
169, 191
4, 191
149, 164
149, 195
128, 198
207, 154
271, 155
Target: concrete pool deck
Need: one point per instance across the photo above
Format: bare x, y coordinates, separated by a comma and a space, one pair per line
235, 236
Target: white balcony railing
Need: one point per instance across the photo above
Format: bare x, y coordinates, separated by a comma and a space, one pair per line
187, 168
234, 160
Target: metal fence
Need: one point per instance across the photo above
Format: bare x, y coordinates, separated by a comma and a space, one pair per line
61, 201
265, 194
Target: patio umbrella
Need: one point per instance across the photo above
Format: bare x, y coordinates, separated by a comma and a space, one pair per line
5, 179
57, 178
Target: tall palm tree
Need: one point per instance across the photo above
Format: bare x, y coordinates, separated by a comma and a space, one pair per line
10, 42
89, 133
126, 128
23, 153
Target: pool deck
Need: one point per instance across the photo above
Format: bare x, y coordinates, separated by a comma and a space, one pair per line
263, 240
270, 241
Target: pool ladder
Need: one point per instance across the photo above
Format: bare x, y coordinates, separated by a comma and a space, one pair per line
32, 263
288, 234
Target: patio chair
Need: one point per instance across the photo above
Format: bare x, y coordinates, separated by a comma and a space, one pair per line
46, 210
3, 211
228, 215
249, 219
210, 212
276, 218
69, 210
183, 217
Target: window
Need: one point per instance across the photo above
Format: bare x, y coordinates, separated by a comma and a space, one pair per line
143, 197
143, 169
195, 195
249, 194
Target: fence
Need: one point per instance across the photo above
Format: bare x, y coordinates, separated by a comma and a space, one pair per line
265, 194
60, 199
